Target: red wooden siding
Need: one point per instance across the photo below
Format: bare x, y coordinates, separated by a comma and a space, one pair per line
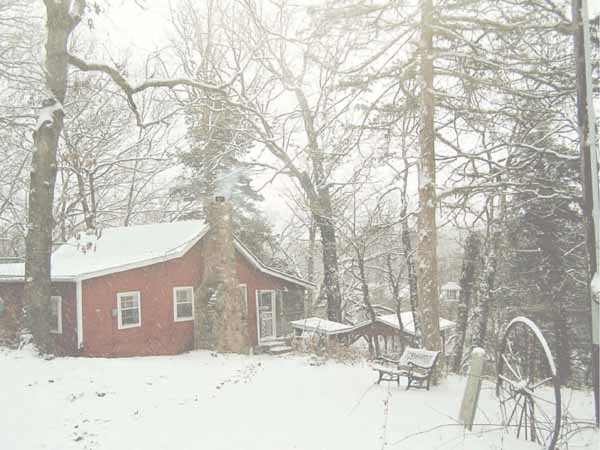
158, 334
255, 279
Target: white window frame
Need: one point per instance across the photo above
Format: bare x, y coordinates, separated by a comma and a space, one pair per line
58, 329
182, 288
119, 310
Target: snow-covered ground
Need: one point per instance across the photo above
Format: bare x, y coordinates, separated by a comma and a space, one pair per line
207, 401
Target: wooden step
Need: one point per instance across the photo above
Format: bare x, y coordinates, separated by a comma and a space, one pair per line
274, 343
279, 349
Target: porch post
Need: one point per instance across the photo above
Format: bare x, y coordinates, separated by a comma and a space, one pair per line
79, 299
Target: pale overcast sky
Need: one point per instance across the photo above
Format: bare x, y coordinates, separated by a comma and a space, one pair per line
130, 29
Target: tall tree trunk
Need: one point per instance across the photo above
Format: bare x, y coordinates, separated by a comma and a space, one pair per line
62, 17
87, 216
589, 176
322, 212
63, 208
310, 263
330, 263
486, 289
410, 269
364, 285
408, 248
562, 344
467, 281
427, 276
396, 298
78, 169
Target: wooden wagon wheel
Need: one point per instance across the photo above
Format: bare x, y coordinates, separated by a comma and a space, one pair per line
527, 385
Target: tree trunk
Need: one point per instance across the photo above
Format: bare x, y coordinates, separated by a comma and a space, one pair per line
396, 298
322, 212
467, 281
589, 176
38, 243
310, 263
366, 296
411, 272
330, 265
427, 277
87, 216
487, 286
408, 248
562, 345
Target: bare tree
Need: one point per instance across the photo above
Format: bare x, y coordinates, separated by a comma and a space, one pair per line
427, 275
61, 19
471, 261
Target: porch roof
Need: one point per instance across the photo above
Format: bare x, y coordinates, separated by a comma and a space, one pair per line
408, 322
321, 326
330, 328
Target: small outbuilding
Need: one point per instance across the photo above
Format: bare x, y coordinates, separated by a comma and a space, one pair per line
450, 292
389, 332
392, 334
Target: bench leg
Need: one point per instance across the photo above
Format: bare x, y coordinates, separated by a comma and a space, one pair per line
380, 377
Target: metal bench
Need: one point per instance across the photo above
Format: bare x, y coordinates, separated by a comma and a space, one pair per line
415, 364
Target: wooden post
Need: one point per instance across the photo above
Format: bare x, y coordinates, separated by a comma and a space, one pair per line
468, 406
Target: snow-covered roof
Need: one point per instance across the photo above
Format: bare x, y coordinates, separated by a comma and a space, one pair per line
408, 322
122, 248
321, 326
118, 249
256, 262
329, 328
12, 271
451, 286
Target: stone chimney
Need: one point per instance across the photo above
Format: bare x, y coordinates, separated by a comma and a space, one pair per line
220, 313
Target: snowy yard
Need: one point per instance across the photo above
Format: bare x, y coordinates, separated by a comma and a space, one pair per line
200, 400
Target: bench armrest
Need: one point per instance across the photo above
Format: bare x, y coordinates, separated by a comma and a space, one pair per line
387, 360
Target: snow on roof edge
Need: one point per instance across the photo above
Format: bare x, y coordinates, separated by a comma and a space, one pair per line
173, 253
268, 270
176, 252
445, 324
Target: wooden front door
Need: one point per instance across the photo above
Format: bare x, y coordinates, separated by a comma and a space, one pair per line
265, 306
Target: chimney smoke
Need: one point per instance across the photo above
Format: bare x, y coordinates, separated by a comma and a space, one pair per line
225, 184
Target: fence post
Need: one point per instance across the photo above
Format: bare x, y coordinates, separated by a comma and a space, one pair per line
468, 406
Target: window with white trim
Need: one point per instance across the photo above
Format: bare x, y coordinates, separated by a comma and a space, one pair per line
183, 303
129, 310
56, 314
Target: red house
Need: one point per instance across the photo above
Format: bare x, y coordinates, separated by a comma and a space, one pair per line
130, 291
